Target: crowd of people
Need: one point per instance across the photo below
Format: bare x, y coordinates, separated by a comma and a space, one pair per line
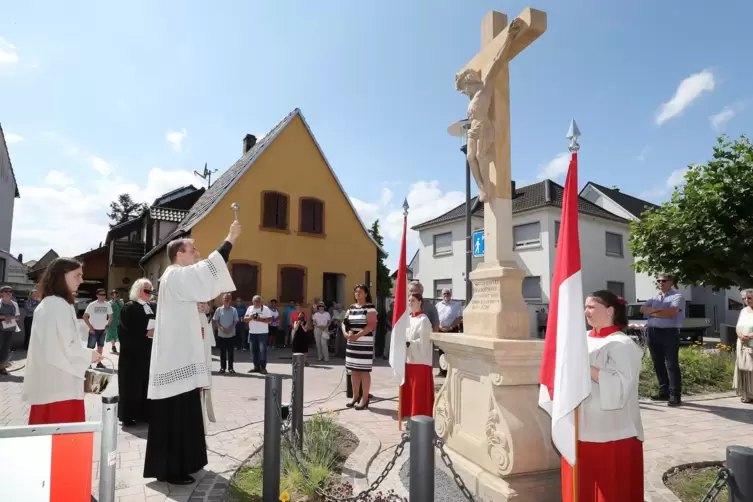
165, 358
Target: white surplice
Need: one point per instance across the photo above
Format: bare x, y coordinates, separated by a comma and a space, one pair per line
179, 360
611, 411
207, 407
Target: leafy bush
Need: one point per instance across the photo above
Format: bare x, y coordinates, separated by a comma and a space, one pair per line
703, 371
323, 454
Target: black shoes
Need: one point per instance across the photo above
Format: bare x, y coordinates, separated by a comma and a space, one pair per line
674, 401
181, 480
659, 397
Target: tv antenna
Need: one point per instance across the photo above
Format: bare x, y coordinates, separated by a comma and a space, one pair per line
207, 175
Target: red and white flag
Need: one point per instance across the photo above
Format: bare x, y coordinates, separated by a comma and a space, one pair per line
565, 375
400, 313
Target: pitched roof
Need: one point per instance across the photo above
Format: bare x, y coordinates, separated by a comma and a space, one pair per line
632, 205
164, 198
167, 214
526, 198
229, 178
10, 164
45, 260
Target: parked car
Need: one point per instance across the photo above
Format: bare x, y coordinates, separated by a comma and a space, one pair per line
693, 328
82, 300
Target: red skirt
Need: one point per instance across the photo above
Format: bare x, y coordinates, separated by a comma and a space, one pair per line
417, 396
607, 472
59, 412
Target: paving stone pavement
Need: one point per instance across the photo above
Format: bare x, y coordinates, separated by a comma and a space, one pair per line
697, 431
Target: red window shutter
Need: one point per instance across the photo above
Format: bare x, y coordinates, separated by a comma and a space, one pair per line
291, 279
318, 217
306, 216
282, 212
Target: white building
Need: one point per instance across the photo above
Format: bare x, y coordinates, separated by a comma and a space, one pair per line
606, 259
8, 195
719, 307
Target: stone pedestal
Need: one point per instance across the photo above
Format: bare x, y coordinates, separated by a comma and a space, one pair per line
488, 415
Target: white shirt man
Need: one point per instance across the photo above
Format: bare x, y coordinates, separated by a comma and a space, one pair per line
321, 320
97, 317
259, 317
450, 313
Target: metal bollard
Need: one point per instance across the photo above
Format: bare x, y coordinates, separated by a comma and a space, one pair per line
108, 449
272, 436
296, 421
740, 465
349, 386
421, 459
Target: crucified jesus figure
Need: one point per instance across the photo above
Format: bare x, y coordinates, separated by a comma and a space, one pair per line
480, 151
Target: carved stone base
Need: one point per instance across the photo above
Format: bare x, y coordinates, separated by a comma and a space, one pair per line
497, 308
488, 415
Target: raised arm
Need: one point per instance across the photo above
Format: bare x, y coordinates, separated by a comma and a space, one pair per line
501, 58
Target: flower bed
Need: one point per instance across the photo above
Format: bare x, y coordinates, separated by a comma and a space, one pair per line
704, 371
690, 483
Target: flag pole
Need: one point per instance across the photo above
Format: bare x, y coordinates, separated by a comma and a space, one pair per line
398, 283
573, 134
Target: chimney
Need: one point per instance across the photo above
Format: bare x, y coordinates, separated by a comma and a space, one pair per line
547, 191
512, 189
20, 258
248, 143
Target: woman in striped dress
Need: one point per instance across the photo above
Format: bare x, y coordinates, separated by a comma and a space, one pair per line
358, 329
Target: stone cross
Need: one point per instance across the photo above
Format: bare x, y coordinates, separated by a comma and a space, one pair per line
498, 209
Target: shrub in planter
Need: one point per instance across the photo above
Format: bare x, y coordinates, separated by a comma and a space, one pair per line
703, 371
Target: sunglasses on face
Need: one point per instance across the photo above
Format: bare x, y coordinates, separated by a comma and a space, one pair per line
7, 292
662, 281
147, 291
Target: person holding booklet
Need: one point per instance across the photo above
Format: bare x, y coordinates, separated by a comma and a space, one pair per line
417, 393
610, 441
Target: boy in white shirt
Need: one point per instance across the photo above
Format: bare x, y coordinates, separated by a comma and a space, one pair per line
97, 317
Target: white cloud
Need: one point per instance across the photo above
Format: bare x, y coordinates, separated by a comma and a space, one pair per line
641, 157
426, 200
675, 179
8, 52
555, 168
71, 218
57, 178
176, 138
719, 120
687, 92
11, 138
100, 165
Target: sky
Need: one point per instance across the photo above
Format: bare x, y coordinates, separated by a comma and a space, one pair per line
102, 98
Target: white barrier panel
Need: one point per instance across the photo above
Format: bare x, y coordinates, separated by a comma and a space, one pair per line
51, 463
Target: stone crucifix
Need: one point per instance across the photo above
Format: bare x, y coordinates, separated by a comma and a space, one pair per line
486, 80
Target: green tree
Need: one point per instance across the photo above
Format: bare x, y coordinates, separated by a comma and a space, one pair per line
124, 209
384, 283
704, 234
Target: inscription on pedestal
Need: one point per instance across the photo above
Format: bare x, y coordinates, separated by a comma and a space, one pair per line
485, 294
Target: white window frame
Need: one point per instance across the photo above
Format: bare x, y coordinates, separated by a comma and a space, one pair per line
532, 298
621, 254
528, 243
445, 283
434, 244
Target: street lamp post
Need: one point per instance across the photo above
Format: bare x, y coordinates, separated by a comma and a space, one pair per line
460, 129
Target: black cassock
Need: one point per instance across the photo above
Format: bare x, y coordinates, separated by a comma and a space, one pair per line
133, 368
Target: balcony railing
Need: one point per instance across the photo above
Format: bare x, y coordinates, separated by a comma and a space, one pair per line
126, 253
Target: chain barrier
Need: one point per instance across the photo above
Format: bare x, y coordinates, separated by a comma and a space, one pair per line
290, 440
722, 479
448, 462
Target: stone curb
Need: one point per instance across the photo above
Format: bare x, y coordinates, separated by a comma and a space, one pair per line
356, 467
655, 477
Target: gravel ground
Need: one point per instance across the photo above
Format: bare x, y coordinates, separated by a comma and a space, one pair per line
445, 489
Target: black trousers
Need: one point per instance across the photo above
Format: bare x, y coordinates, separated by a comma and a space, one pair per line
27, 331
227, 352
664, 347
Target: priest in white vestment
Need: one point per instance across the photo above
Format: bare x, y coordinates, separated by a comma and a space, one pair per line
176, 445
610, 446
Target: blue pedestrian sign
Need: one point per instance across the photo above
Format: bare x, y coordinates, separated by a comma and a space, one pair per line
478, 243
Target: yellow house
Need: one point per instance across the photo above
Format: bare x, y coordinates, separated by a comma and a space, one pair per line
302, 238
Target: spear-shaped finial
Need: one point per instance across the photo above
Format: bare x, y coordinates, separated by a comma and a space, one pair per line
405, 207
573, 133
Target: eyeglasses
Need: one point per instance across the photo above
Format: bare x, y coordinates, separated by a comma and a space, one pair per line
147, 291
8, 291
661, 281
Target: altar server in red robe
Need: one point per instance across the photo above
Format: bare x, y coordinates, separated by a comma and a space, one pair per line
610, 446
418, 389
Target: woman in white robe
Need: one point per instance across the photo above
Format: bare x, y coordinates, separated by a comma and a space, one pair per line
610, 446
